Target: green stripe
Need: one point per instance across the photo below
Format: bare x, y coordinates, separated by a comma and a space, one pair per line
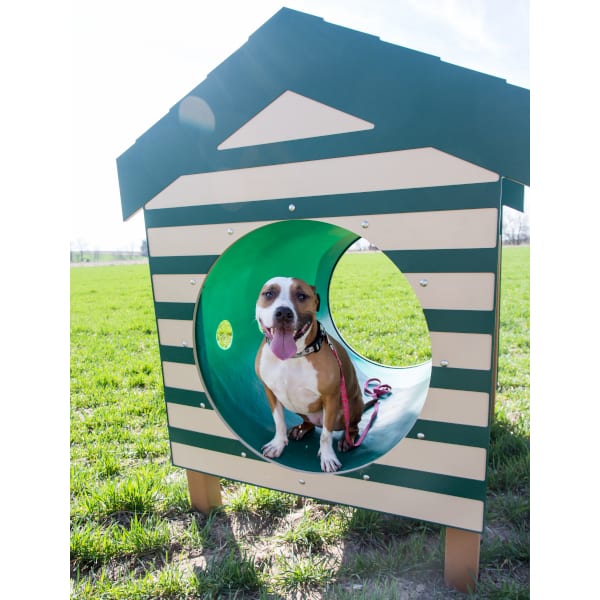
460, 321
450, 433
463, 260
469, 380
469, 260
397, 476
458, 197
210, 442
187, 397
181, 265
513, 194
183, 311
177, 354
422, 480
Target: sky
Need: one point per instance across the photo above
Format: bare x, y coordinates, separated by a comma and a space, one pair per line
133, 60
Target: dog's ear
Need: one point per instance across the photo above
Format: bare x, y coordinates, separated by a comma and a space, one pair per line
314, 289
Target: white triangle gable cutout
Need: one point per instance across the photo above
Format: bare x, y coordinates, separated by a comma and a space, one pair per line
293, 117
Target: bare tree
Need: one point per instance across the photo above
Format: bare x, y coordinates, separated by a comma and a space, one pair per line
79, 245
515, 227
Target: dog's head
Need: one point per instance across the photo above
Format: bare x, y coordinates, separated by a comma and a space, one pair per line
286, 313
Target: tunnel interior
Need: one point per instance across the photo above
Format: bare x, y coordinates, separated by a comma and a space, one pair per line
308, 250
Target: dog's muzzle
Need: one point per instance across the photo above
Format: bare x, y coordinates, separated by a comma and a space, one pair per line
282, 336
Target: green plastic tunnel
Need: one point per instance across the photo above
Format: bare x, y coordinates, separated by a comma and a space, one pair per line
309, 250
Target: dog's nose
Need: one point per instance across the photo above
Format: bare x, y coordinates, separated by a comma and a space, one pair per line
284, 313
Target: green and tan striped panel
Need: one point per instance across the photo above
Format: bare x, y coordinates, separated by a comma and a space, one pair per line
442, 234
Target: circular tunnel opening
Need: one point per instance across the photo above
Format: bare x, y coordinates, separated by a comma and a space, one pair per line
309, 250
375, 309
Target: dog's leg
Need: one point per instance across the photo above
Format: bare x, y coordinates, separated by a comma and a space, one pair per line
275, 447
343, 445
329, 461
299, 431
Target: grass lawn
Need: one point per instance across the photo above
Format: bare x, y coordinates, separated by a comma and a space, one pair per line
133, 534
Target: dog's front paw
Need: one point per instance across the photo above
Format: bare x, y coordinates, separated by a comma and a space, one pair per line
329, 461
274, 448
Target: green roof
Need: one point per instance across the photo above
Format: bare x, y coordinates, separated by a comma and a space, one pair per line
414, 100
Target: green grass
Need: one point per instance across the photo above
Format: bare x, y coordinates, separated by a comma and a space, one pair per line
133, 534
369, 298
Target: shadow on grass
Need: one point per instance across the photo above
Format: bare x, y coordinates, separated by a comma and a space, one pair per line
387, 556
508, 458
224, 569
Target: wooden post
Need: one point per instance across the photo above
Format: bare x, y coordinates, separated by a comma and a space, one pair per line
205, 491
461, 563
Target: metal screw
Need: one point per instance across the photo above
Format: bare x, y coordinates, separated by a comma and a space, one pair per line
292, 207
301, 481
366, 477
365, 224
444, 363
229, 231
243, 455
423, 282
184, 343
202, 405
193, 282
421, 436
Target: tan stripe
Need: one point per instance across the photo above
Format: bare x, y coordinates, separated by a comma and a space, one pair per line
201, 420
475, 228
453, 291
435, 457
422, 455
456, 406
417, 504
173, 332
177, 288
461, 350
444, 229
403, 169
182, 376
191, 240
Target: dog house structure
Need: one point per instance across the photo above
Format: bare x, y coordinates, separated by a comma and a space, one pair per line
306, 139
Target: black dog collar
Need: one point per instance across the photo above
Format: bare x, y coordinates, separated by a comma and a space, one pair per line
316, 345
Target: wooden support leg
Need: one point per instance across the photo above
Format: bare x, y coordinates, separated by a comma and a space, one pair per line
205, 491
461, 566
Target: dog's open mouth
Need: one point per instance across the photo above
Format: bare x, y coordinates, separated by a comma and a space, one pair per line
296, 334
283, 341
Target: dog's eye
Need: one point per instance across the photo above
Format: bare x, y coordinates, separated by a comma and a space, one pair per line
268, 294
301, 296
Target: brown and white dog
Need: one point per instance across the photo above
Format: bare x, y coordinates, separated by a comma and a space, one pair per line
299, 370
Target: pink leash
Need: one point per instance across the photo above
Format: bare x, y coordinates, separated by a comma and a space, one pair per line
373, 388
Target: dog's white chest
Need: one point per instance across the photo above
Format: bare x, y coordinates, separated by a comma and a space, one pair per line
293, 381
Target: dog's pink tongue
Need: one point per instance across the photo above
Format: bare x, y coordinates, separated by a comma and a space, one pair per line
283, 344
